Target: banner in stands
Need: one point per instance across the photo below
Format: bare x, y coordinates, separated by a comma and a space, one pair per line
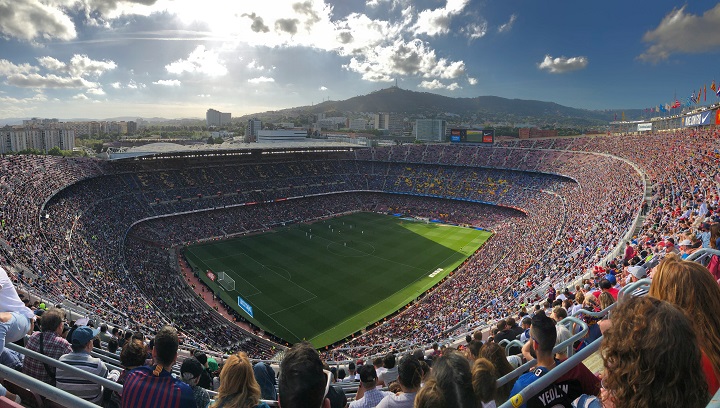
699, 119
644, 127
245, 306
717, 117
210, 275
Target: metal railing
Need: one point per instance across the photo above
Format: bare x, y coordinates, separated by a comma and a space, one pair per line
557, 349
46, 390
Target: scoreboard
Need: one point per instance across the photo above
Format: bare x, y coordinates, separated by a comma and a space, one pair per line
481, 136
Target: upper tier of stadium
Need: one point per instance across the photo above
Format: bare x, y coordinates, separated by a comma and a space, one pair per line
73, 229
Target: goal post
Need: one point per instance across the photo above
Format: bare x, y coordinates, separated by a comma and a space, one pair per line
225, 281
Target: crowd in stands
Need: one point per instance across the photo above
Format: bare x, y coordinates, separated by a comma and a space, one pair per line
64, 224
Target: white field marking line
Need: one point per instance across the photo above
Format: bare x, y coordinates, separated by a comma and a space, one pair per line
289, 279
373, 305
257, 291
290, 307
361, 253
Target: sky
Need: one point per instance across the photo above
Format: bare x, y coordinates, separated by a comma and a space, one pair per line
177, 58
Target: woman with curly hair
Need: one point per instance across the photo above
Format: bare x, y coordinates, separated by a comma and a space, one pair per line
689, 286
238, 387
651, 359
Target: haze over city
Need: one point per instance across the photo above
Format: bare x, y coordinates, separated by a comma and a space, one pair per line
145, 58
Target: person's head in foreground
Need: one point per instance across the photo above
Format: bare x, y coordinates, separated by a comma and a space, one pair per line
450, 384
238, 387
651, 357
303, 383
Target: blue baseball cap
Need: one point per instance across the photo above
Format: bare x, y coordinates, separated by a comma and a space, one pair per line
84, 335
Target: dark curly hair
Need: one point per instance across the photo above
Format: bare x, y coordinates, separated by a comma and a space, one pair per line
651, 357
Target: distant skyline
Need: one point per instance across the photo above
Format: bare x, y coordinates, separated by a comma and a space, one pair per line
177, 58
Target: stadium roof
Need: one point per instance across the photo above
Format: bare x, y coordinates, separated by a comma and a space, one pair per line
164, 148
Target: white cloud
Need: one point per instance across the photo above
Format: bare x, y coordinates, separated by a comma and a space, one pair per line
255, 65
203, 96
507, 26
135, 85
81, 97
168, 82
35, 80
30, 19
82, 65
260, 80
680, 32
323, 88
95, 91
200, 61
472, 81
51, 63
435, 84
116, 85
414, 58
562, 65
9, 68
474, 31
437, 21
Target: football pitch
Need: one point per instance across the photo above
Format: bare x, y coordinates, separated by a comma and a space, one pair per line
324, 281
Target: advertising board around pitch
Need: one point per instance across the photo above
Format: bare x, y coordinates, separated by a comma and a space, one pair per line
245, 306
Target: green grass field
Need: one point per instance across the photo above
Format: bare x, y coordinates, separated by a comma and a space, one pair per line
324, 281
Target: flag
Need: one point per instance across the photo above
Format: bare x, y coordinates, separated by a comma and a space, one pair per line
705, 94
615, 115
717, 93
713, 87
675, 105
623, 116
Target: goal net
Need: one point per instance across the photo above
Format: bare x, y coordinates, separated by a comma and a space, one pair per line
225, 281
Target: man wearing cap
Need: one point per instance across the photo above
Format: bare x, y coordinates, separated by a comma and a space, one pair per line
190, 372
82, 345
637, 273
368, 396
686, 248
149, 387
49, 342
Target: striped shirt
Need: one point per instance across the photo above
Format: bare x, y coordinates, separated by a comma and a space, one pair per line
143, 389
76, 385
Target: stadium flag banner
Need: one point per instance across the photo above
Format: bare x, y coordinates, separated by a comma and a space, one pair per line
210, 275
717, 121
699, 119
245, 306
644, 127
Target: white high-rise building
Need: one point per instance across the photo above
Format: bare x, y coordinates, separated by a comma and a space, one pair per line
430, 130
15, 139
217, 118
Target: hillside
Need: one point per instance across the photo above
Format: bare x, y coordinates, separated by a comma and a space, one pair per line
481, 108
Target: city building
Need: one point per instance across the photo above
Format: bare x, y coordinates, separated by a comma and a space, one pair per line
251, 131
217, 118
430, 130
393, 123
358, 124
297, 135
15, 139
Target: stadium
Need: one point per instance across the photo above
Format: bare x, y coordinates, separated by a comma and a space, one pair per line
139, 242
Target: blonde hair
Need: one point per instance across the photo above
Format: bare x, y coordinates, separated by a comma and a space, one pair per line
238, 387
692, 288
